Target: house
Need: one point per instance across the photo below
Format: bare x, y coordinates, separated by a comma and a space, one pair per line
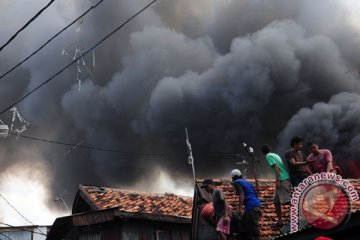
202, 231
32, 232
108, 213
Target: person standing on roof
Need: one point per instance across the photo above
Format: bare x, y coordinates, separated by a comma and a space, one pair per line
220, 208
248, 198
320, 160
282, 194
295, 158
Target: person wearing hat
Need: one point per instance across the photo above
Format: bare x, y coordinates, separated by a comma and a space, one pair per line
220, 209
247, 197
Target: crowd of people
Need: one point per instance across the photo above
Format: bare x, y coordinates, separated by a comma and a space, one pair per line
248, 198
298, 168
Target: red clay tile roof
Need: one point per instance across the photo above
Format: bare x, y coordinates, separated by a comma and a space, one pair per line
267, 187
134, 202
180, 206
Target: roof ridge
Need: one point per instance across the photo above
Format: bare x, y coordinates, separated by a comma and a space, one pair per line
131, 191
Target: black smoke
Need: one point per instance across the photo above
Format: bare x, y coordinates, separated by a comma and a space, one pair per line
230, 72
334, 125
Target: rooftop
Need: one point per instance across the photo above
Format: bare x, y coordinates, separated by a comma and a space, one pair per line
136, 202
180, 207
266, 191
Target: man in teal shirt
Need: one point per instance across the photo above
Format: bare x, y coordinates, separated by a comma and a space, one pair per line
282, 193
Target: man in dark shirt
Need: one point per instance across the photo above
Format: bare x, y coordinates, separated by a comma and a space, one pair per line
295, 158
247, 197
220, 208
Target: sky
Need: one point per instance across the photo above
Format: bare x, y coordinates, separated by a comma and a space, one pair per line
230, 71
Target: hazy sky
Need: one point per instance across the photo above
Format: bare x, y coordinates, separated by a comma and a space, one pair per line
230, 71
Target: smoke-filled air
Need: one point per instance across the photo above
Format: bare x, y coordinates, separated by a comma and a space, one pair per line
231, 71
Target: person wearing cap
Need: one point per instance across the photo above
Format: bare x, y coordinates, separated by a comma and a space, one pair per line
282, 194
220, 208
247, 197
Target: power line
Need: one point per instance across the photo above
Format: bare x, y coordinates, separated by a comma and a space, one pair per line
26, 24
78, 145
95, 148
24, 229
52, 38
5, 236
17, 210
81, 56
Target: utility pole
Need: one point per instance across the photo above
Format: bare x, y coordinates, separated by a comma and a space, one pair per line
61, 199
250, 151
190, 155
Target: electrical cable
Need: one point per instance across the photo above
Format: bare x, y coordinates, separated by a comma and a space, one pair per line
26, 24
52, 38
24, 229
75, 60
5, 236
17, 210
94, 147
218, 154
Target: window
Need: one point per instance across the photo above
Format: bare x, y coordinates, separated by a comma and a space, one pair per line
90, 236
163, 235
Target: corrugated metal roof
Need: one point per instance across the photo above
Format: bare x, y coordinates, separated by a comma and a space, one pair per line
92, 218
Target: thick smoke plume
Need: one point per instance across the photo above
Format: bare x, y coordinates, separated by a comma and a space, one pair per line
334, 125
229, 71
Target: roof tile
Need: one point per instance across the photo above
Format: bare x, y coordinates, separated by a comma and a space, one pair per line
180, 206
129, 201
266, 192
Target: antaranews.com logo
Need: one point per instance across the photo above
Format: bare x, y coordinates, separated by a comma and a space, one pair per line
322, 200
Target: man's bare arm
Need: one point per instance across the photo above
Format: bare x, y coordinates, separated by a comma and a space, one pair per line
294, 163
329, 167
277, 174
241, 202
